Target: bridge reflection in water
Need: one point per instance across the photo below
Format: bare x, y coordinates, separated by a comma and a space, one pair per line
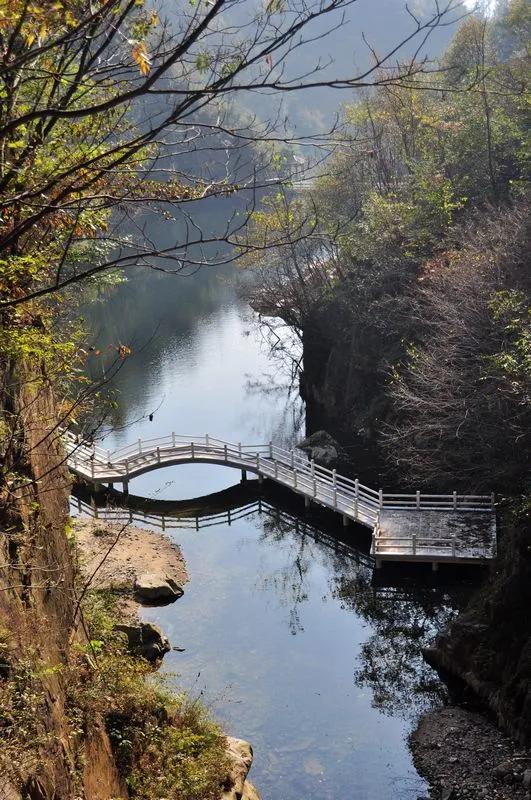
219, 509
434, 528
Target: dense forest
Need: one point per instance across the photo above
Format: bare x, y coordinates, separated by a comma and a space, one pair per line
399, 257
404, 268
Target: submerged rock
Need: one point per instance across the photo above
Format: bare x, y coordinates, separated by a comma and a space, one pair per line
155, 587
322, 448
145, 639
237, 787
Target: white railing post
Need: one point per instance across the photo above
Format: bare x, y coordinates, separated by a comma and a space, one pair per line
414, 538
418, 499
314, 488
225, 452
108, 456
270, 449
140, 445
380, 498
207, 443
173, 438
312, 467
276, 468
92, 468
455, 500
258, 461
293, 459
239, 449
334, 483
294, 478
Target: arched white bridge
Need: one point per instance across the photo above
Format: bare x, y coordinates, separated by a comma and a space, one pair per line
405, 527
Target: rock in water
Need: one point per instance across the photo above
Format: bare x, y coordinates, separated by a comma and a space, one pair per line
322, 448
155, 587
146, 640
237, 787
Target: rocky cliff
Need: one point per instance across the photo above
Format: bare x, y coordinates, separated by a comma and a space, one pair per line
37, 610
488, 647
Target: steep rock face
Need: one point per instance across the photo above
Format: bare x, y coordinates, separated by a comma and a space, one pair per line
345, 370
37, 591
488, 647
101, 780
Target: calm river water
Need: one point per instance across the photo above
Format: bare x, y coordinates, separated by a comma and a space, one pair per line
286, 639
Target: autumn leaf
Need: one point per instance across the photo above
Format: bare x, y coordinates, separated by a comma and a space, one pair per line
140, 55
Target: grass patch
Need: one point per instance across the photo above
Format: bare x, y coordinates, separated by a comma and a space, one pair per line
165, 745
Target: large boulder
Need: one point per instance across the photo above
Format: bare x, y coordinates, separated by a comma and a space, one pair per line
237, 787
322, 448
146, 640
155, 587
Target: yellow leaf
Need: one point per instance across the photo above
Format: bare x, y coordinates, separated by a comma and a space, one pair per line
141, 57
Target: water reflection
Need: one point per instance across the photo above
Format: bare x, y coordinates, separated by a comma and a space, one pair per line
286, 636
206, 369
293, 646
404, 620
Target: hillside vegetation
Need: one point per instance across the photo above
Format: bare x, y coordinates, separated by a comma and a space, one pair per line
406, 269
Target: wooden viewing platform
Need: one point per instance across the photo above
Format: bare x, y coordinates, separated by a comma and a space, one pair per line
405, 527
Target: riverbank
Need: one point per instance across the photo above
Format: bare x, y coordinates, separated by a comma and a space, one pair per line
114, 558
464, 756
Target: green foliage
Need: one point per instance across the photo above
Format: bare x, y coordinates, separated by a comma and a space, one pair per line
165, 744
511, 311
203, 62
23, 707
414, 166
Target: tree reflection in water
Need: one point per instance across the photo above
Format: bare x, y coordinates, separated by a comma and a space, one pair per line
402, 619
289, 582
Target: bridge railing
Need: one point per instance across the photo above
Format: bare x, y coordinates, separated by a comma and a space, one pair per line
427, 546
290, 467
438, 502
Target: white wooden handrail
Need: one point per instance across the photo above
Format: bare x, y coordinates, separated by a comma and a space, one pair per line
288, 467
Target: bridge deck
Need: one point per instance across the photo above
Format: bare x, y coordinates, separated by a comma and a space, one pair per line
406, 527
420, 535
